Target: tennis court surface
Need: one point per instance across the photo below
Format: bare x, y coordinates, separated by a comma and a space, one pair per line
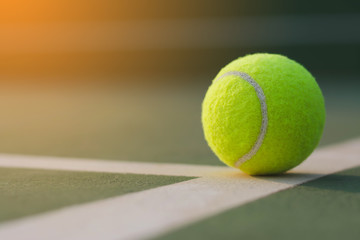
124, 163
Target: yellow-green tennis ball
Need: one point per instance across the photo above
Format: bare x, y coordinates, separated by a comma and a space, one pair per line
263, 114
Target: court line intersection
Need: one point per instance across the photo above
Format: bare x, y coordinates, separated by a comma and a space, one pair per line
152, 212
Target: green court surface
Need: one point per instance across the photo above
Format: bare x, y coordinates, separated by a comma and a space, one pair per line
156, 124
30, 191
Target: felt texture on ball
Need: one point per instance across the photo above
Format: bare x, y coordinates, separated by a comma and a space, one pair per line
263, 113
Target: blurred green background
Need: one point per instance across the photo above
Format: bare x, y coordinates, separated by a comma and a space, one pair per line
124, 80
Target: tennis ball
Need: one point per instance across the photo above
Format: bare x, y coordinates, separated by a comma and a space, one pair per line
263, 114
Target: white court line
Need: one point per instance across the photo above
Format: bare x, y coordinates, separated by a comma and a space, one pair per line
91, 165
152, 212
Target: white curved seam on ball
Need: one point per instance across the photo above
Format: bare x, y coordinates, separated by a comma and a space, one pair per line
264, 122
